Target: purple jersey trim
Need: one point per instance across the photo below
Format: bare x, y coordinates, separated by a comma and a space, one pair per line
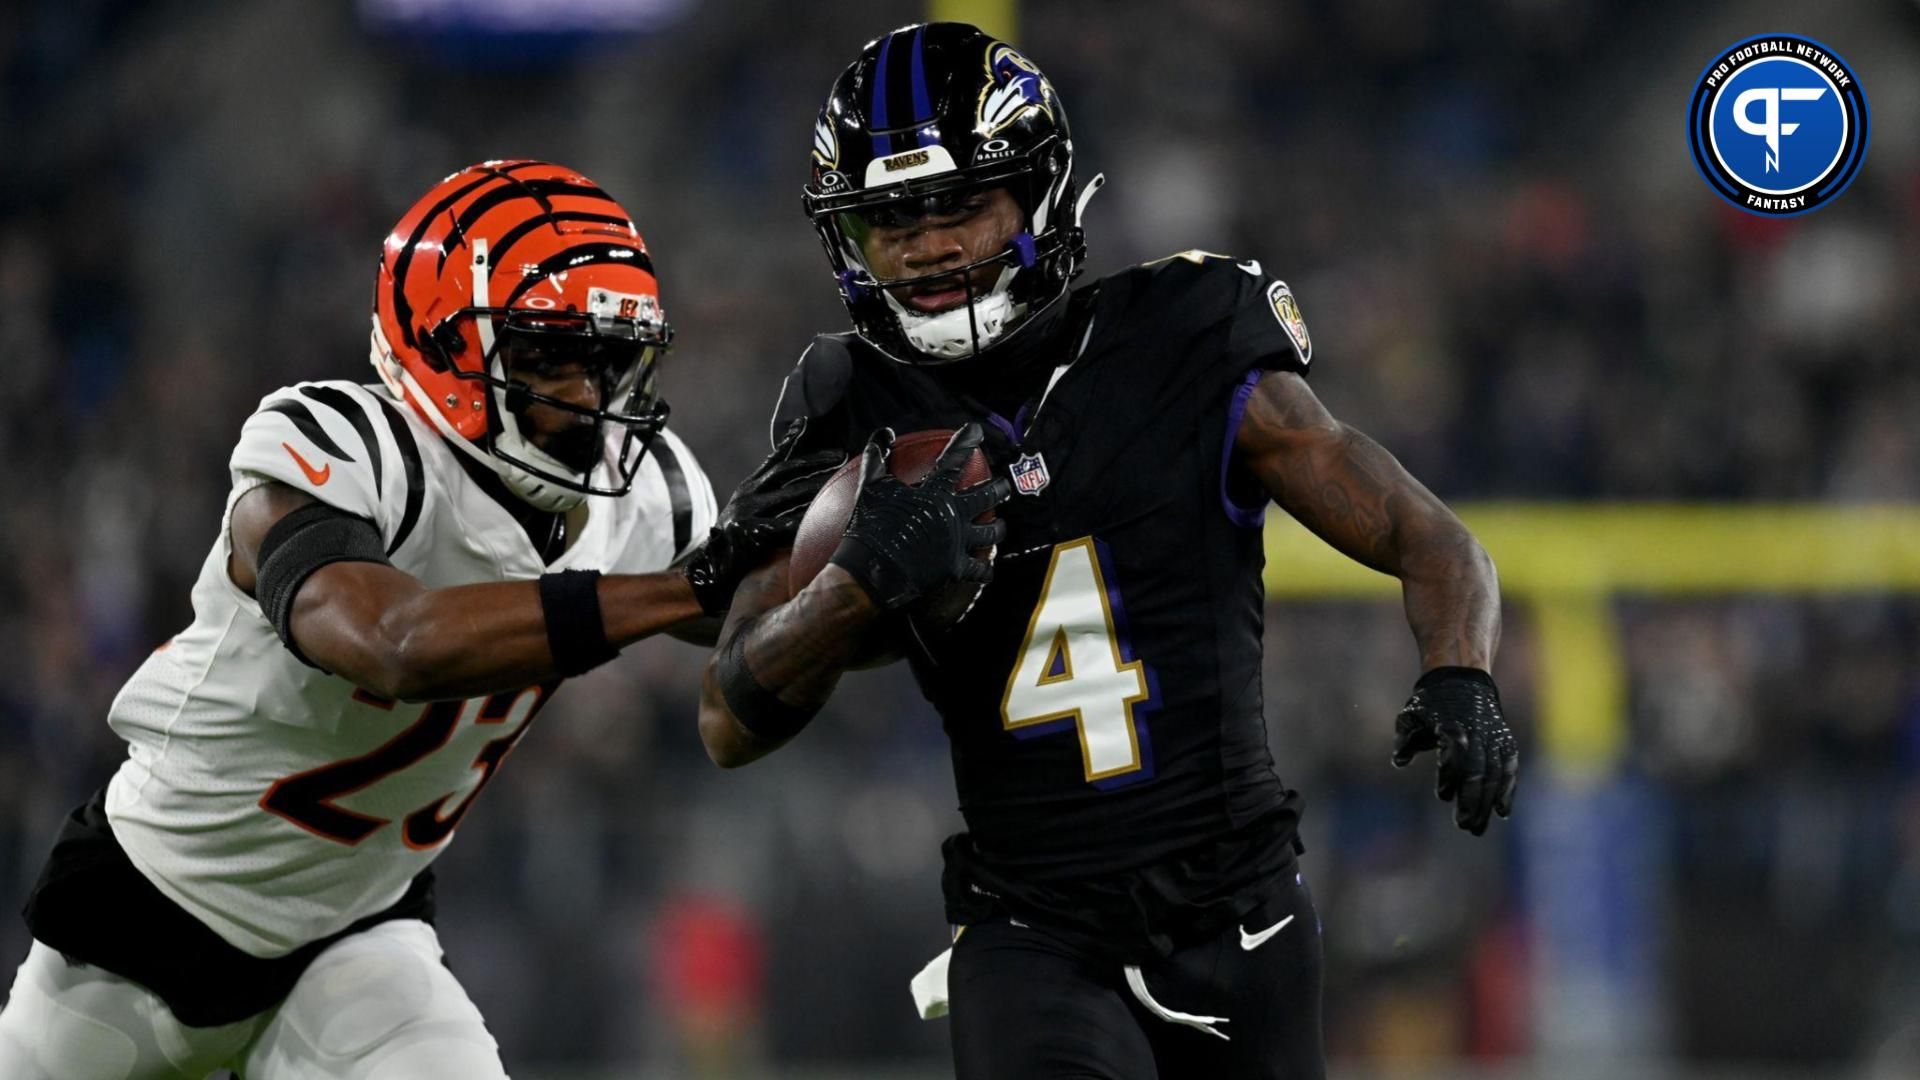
1011, 428
1006, 427
1247, 517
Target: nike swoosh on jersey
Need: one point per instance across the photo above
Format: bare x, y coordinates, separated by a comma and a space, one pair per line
1251, 266
318, 476
1250, 942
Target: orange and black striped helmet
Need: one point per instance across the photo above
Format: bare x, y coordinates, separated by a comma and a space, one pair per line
520, 258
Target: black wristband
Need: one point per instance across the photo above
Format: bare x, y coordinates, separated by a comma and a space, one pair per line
576, 634
758, 709
1441, 674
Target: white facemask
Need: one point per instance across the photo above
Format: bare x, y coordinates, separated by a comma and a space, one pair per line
950, 335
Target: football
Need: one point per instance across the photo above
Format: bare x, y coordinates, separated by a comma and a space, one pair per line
826, 519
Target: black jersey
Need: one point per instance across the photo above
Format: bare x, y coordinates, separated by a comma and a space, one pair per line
1103, 694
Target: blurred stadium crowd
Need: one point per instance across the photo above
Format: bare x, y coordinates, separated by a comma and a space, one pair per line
1515, 281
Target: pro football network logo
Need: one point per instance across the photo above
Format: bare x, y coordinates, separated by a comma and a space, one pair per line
1778, 125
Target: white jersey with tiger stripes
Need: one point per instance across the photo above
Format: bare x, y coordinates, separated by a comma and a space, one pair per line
279, 804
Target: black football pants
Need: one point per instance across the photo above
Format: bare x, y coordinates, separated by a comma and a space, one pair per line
1026, 1006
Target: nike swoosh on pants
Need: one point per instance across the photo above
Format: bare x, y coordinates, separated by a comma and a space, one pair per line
1251, 942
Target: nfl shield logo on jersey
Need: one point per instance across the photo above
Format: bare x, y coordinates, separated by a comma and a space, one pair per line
1029, 474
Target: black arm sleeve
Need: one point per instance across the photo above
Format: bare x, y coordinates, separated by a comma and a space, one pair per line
300, 543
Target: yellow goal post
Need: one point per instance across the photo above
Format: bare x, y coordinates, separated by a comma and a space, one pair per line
1567, 562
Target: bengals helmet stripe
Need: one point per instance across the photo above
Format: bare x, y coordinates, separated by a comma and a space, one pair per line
511, 189
572, 259
455, 305
506, 242
537, 190
402, 310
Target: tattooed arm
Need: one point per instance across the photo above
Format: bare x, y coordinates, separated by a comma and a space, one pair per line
795, 648
777, 662
1356, 497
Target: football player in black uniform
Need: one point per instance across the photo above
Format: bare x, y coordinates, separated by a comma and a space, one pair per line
1126, 892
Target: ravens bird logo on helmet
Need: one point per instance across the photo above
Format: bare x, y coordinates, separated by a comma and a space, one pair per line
926, 117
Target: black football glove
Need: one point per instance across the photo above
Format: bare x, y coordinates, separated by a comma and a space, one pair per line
903, 542
1455, 711
760, 518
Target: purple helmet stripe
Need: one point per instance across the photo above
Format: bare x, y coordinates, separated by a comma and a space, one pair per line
877, 115
927, 134
922, 108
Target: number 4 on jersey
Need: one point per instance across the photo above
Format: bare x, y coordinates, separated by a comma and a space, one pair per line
1070, 667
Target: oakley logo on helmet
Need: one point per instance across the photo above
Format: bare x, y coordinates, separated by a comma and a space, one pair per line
993, 150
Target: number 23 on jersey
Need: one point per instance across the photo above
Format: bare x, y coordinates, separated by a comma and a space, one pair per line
1071, 668
308, 799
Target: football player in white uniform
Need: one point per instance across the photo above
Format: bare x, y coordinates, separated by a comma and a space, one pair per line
406, 572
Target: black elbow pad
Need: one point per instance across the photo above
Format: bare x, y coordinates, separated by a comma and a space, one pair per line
300, 543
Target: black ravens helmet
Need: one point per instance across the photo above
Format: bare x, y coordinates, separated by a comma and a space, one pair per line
926, 118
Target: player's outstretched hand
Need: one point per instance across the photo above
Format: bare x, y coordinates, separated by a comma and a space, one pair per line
1455, 712
760, 518
904, 541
